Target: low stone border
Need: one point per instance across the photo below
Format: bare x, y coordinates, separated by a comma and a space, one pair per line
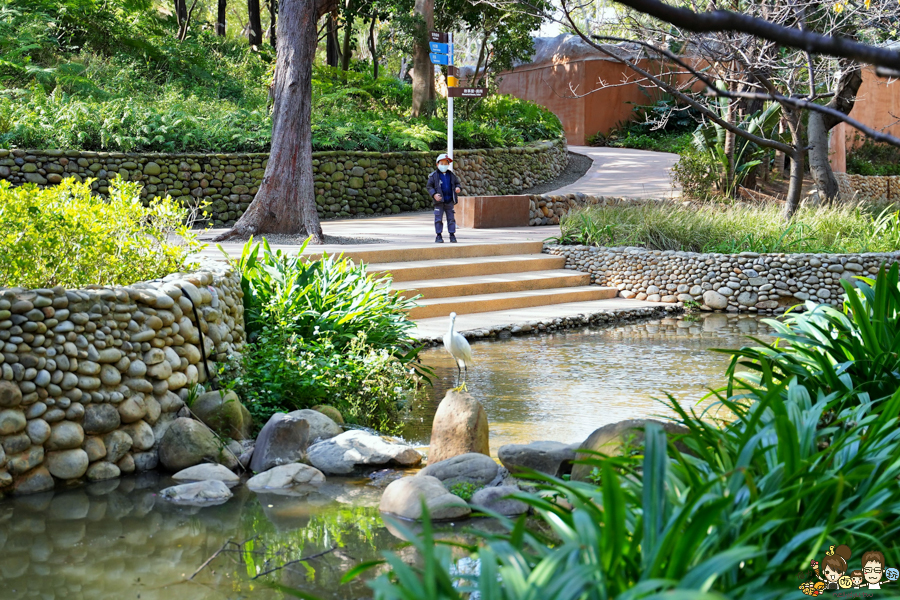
548, 210
346, 183
866, 188
748, 281
92, 378
609, 317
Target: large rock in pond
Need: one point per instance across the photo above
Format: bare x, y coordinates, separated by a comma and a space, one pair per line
224, 414
496, 499
330, 412
283, 440
550, 458
199, 493
460, 427
354, 449
187, 443
403, 498
473, 468
613, 438
321, 427
207, 472
286, 476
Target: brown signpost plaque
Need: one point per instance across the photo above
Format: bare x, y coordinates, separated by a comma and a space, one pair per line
440, 37
467, 92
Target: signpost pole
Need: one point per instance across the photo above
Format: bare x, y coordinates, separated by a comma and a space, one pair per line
450, 105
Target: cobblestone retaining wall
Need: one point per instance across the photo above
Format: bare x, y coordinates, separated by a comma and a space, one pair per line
91, 378
732, 282
547, 210
863, 188
347, 183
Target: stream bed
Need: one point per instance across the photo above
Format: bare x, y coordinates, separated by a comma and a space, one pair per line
119, 540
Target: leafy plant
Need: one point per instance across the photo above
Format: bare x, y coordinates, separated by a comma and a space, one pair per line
868, 157
465, 490
64, 235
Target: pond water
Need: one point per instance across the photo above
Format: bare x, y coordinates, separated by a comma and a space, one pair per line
119, 540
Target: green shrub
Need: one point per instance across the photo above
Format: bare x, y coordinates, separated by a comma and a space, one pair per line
64, 235
697, 173
853, 351
322, 332
464, 490
873, 158
734, 229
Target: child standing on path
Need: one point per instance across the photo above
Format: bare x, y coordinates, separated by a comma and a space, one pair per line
443, 185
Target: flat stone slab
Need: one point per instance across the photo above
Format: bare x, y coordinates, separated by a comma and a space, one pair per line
355, 449
207, 472
286, 476
201, 493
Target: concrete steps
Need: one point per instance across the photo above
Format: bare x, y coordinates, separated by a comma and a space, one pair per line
476, 278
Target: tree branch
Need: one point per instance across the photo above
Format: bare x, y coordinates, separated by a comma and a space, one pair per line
723, 20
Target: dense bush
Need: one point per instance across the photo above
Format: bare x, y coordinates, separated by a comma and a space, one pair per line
322, 332
660, 127
734, 229
66, 236
736, 509
83, 76
873, 158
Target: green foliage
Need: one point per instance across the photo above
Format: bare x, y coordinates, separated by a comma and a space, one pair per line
733, 229
66, 236
322, 332
465, 490
873, 158
659, 127
697, 173
853, 352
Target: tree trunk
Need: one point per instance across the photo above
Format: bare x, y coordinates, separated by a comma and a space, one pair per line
332, 53
273, 18
795, 187
423, 71
220, 18
285, 202
255, 34
180, 13
730, 142
778, 167
346, 50
372, 49
826, 184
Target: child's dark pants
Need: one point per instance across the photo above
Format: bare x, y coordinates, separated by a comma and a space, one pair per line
439, 209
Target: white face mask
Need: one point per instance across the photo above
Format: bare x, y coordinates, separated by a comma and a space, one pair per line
443, 168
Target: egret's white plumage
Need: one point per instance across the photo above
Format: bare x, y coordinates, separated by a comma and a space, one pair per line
458, 348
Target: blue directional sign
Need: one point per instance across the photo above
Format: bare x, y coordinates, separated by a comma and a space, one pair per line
438, 48
439, 59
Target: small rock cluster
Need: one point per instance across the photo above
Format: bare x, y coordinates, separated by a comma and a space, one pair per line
346, 183
91, 379
747, 282
606, 317
548, 210
863, 188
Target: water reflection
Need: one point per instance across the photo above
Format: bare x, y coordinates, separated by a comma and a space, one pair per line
562, 386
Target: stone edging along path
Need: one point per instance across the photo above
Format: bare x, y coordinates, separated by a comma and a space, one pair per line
346, 183
745, 282
609, 318
93, 377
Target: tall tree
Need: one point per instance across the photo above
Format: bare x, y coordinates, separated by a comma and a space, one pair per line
220, 17
285, 202
332, 51
423, 70
273, 17
255, 23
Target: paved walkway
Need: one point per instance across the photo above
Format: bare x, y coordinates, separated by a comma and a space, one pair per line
624, 172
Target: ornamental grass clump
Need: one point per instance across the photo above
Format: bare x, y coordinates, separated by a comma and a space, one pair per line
734, 229
64, 235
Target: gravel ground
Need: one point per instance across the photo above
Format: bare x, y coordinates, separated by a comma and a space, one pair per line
575, 170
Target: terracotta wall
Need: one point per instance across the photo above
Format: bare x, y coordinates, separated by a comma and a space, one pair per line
555, 86
877, 105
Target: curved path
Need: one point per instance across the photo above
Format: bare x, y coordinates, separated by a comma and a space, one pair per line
624, 172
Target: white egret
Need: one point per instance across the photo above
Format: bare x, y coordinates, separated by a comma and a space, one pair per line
459, 349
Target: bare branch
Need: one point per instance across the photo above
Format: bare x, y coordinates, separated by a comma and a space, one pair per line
723, 20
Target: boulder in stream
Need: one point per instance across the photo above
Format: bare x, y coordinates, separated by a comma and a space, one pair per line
496, 499
550, 458
187, 443
198, 494
321, 426
283, 440
355, 449
207, 472
460, 426
474, 468
285, 476
224, 414
403, 498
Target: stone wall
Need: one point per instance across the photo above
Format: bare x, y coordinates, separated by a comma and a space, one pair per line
547, 210
862, 188
347, 183
92, 377
748, 281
